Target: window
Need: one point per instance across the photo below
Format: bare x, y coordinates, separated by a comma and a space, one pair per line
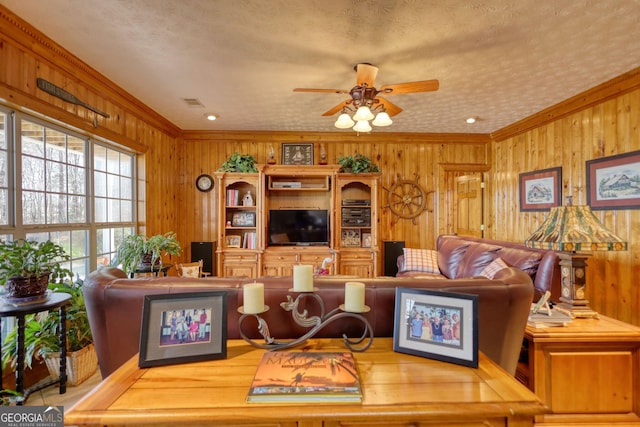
4, 169
74, 191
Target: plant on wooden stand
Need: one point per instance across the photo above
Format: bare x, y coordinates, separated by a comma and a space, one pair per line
137, 249
27, 266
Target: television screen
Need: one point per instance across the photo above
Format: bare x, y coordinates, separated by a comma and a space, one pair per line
298, 227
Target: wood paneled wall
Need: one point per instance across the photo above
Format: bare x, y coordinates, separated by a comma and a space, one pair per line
601, 122
426, 158
606, 126
26, 54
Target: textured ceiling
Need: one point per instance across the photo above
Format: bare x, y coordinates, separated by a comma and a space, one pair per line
499, 60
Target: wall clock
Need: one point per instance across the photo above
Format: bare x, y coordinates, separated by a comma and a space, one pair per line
204, 183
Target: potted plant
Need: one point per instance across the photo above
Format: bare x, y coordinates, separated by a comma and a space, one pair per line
239, 163
138, 251
27, 266
41, 338
357, 164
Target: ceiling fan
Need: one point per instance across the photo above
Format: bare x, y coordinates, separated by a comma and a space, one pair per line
365, 99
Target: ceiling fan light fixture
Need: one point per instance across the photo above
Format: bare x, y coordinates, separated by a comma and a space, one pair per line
362, 126
363, 113
382, 119
344, 122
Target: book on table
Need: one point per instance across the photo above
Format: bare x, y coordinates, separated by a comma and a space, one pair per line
300, 376
554, 317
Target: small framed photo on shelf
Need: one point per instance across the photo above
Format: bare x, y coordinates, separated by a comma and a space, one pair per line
297, 154
233, 241
366, 240
437, 325
168, 334
350, 238
243, 219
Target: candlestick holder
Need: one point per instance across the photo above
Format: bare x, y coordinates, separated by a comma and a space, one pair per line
302, 318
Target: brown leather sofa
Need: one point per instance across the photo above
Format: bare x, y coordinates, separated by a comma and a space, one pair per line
465, 257
114, 305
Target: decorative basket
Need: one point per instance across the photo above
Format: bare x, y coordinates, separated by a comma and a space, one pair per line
24, 287
81, 365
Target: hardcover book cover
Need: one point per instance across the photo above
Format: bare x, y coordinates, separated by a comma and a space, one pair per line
292, 376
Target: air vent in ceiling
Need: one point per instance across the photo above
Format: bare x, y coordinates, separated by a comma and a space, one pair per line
193, 102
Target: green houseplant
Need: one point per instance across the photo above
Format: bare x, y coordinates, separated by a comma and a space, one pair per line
239, 163
41, 337
27, 266
136, 250
357, 164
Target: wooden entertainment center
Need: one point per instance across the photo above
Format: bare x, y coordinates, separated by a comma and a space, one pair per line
343, 207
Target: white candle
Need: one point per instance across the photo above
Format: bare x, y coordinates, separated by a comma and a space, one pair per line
253, 298
303, 278
354, 297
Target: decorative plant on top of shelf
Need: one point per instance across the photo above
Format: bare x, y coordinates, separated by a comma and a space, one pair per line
357, 164
239, 163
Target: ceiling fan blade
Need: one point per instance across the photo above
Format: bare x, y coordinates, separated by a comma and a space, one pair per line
337, 108
366, 74
411, 87
391, 108
303, 89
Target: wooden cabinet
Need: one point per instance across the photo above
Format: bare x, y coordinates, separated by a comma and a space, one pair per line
587, 372
356, 223
240, 239
344, 204
279, 261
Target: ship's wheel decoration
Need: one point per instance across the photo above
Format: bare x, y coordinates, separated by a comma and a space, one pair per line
406, 199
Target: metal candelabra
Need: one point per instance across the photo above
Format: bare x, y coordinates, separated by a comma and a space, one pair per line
316, 323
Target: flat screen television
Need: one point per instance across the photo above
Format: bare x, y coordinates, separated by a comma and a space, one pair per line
290, 227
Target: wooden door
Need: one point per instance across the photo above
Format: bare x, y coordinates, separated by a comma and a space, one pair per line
469, 203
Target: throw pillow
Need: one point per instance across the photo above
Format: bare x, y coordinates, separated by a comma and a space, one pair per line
191, 271
492, 269
425, 260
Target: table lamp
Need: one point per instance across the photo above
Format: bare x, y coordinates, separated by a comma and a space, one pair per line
569, 230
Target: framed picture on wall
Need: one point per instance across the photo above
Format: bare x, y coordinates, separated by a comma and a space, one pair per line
614, 182
437, 325
297, 154
541, 190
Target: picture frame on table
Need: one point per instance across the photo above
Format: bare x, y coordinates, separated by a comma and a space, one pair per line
416, 316
614, 182
233, 241
164, 339
366, 240
540, 190
243, 219
297, 154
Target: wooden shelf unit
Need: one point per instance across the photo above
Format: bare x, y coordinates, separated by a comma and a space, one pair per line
280, 187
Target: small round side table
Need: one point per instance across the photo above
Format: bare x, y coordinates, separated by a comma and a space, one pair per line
57, 300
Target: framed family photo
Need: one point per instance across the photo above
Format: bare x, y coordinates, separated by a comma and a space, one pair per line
614, 182
243, 219
540, 190
233, 241
437, 325
183, 327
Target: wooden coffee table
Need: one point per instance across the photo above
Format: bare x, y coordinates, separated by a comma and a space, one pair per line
398, 389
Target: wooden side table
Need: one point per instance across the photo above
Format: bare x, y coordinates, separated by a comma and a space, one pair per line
587, 372
57, 300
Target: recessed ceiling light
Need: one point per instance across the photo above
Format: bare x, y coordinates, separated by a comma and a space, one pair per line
211, 116
471, 120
